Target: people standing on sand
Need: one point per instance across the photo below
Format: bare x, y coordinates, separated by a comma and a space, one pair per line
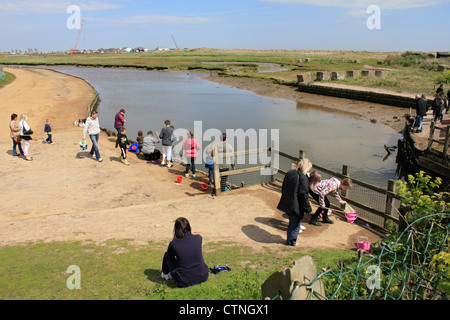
119, 120
440, 88
226, 160
92, 127
25, 135
15, 135
294, 199
209, 164
149, 146
421, 111
183, 261
166, 137
123, 142
190, 147
320, 193
48, 130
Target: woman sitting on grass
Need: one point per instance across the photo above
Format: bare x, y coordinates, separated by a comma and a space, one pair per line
183, 262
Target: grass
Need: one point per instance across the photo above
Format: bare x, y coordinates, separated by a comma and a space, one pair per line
121, 270
7, 79
408, 73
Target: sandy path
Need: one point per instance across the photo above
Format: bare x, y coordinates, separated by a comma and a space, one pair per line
64, 194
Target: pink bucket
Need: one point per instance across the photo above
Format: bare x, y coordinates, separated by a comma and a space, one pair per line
351, 216
364, 245
179, 179
204, 186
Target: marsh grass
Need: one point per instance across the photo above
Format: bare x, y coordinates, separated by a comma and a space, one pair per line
125, 271
8, 78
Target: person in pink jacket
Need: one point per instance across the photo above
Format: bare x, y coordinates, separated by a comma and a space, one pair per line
190, 148
119, 120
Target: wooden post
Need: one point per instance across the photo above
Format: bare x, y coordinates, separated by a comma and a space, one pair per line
301, 154
273, 161
216, 172
447, 137
346, 173
390, 193
430, 138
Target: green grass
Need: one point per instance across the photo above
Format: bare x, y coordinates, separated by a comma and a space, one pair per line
8, 78
416, 74
120, 270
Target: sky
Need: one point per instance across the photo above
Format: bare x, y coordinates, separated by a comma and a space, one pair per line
362, 25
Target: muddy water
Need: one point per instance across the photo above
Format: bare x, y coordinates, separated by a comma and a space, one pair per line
330, 139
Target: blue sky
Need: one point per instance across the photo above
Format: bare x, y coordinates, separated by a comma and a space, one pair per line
422, 25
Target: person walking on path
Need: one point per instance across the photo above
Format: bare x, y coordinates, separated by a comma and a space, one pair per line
294, 199
190, 147
119, 120
48, 130
183, 261
25, 135
15, 135
421, 111
123, 142
92, 127
166, 137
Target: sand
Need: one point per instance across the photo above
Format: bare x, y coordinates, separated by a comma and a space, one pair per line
65, 195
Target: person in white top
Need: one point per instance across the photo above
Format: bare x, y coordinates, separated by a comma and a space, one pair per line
92, 127
25, 134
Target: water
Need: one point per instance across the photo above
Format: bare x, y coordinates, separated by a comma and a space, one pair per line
330, 139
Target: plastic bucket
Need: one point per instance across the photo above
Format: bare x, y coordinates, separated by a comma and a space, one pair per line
179, 179
364, 245
351, 216
204, 186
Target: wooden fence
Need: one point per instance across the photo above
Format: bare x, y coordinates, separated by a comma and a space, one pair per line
375, 205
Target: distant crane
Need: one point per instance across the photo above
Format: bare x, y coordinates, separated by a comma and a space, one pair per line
178, 48
74, 50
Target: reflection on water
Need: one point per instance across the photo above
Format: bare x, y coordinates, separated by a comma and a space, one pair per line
329, 138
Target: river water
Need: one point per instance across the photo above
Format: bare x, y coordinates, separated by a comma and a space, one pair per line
330, 139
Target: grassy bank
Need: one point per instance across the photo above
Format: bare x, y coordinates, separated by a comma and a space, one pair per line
120, 270
8, 78
406, 74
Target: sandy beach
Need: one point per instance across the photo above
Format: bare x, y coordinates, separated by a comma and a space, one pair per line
64, 194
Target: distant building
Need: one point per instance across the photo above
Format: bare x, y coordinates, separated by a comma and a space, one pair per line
162, 49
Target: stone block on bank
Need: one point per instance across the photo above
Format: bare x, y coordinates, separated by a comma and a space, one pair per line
304, 78
352, 74
380, 73
337, 75
322, 76
367, 73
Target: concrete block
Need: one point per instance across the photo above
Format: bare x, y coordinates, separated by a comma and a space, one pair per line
304, 78
281, 283
337, 75
352, 74
322, 76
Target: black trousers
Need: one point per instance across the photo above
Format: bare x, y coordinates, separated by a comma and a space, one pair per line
156, 155
319, 210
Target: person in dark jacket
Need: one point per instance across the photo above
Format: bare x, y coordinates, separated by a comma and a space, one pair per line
421, 111
123, 142
166, 136
183, 261
119, 120
295, 199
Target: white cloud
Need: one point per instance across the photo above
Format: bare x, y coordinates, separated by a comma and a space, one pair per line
53, 6
358, 4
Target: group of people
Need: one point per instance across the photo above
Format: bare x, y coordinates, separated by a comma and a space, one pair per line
439, 107
20, 131
298, 185
147, 145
